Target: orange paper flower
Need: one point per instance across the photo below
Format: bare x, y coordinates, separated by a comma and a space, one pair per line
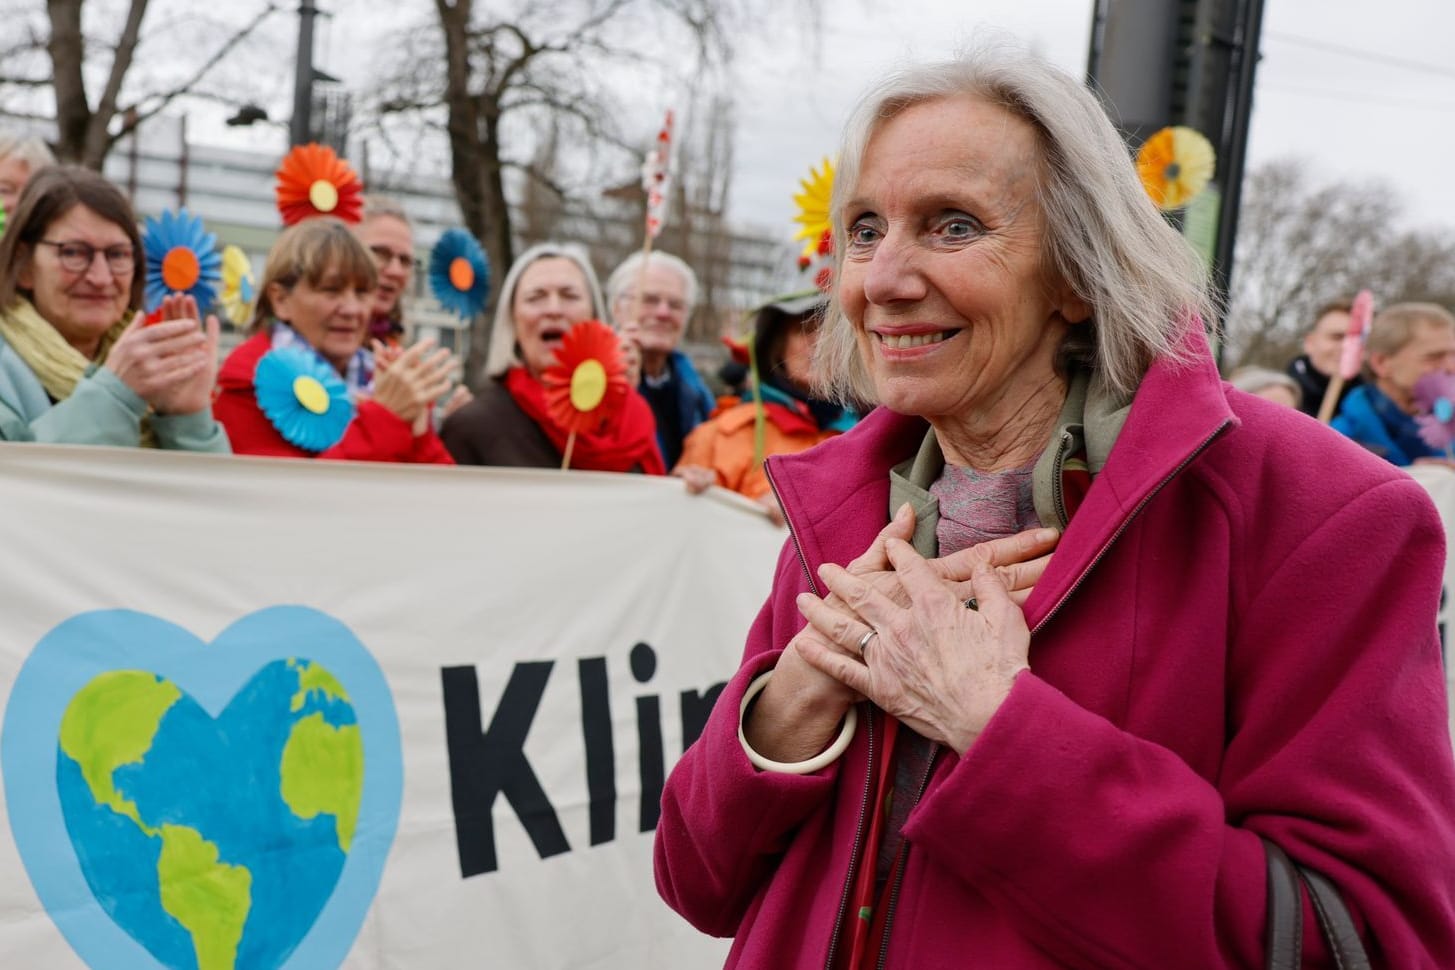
586, 387
1175, 164
313, 181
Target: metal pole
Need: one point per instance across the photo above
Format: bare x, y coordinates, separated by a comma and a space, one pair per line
183, 161
1247, 64
300, 130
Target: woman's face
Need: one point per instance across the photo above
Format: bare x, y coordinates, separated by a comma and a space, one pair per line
81, 304
332, 316
798, 347
391, 243
14, 173
550, 296
942, 276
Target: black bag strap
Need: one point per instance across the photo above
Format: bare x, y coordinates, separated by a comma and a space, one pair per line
1285, 911
1285, 916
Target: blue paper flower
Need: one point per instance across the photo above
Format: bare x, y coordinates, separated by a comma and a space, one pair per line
182, 257
303, 397
459, 274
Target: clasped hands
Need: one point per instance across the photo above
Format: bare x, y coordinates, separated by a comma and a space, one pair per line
939, 667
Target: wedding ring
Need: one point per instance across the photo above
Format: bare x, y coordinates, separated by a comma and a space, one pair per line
864, 640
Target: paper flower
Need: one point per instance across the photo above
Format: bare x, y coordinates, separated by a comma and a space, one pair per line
586, 386
1435, 401
313, 181
459, 273
813, 213
657, 178
181, 258
1351, 356
303, 397
1175, 165
238, 288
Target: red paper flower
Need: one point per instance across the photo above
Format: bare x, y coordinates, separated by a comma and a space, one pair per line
586, 387
313, 181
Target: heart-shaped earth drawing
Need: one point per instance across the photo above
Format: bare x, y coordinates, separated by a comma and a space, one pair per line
226, 807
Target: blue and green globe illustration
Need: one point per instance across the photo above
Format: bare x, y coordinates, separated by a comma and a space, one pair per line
146, 794
218, 806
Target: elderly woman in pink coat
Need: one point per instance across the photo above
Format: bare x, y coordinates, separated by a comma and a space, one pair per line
1220, 699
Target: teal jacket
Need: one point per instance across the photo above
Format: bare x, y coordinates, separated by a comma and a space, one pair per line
101, 411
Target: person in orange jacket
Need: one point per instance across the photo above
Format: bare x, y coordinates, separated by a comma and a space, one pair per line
724, 451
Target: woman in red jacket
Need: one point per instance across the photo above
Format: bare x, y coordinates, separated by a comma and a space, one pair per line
303, 386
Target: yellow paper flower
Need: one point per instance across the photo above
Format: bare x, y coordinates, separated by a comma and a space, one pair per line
238, 288
1175, 164
813, 208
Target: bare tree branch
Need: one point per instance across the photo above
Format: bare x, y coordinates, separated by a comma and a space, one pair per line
164, 98
98, 138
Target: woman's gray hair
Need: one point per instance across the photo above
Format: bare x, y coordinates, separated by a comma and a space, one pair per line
1253, 380
503, 354
1104, 236
26, 148
625, 276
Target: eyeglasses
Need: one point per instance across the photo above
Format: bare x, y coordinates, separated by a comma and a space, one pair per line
77, 257
385, 256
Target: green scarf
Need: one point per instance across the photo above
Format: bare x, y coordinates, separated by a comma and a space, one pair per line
56, 364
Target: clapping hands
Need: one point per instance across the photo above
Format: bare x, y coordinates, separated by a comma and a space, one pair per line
408, 382
172, 365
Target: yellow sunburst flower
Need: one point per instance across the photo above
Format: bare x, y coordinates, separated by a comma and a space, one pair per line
1175, 164
238, 286
813, 208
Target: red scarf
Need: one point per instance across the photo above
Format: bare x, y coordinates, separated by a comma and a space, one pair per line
629, 443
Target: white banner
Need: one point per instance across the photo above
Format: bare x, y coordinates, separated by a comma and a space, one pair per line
264, 714
1439, 481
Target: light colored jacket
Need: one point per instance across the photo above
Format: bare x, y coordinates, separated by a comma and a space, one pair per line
100, 411
1235, 638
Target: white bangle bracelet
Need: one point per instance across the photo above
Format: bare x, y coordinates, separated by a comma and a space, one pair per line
841, 743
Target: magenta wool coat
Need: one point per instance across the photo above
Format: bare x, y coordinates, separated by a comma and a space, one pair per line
1235, 638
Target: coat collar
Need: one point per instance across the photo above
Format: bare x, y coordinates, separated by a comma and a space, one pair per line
843, 484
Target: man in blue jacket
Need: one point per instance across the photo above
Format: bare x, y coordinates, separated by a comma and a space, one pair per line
655, 319
1406, 342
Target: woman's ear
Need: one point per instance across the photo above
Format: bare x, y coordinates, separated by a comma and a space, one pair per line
278, 298
25, 275
1073, 309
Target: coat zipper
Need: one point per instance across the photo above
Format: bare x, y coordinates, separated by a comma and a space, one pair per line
903, 864
1058, 468
854, 857
1126, 523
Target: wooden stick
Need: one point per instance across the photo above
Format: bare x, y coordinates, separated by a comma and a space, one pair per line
570, 444
1331, 398
642, 278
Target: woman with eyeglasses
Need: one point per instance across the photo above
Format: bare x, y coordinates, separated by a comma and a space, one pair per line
388, 235
77, 363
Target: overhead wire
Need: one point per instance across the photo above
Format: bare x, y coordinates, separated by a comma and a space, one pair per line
1375, 57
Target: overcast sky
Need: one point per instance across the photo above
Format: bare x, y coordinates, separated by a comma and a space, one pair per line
1359, 89
1351, 114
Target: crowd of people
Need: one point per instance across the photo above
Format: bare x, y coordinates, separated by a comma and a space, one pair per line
81, 364
1106, 684
77, 364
